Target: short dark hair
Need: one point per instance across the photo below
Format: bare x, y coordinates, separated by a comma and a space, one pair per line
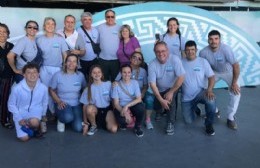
6, 28
190, 43
110, 10
124, 66
213, 33
31, 21
31, 66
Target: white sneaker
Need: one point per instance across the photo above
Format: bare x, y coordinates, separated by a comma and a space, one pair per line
43, 127
60, 126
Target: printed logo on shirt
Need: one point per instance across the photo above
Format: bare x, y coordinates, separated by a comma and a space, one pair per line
169, 68
56, 45
76, 84
140, 78
197, 68
105, 93
115, 32
219, 59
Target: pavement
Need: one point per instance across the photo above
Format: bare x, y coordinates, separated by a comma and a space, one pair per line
189, 147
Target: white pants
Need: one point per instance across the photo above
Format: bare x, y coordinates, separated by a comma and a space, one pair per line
233, 99
46, 73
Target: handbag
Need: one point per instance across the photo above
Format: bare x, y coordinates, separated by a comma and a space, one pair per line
38, 60
95, 46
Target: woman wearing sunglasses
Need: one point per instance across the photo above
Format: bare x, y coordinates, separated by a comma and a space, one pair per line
25, 50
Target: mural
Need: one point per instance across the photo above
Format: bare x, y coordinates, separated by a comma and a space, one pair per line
149, 18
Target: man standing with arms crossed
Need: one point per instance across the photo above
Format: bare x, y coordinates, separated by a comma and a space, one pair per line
226, 67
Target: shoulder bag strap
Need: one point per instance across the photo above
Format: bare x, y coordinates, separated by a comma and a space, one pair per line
125, 91
87, 34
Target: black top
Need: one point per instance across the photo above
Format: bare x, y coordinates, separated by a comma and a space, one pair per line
8, 72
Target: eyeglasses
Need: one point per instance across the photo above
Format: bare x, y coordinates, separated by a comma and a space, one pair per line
110, 17
137, 58
35, 28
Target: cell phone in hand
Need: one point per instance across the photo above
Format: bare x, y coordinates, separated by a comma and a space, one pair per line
157, 36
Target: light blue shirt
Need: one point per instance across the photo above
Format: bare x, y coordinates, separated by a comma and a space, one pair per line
164, 75
196, 77
109, 41
100, 95
132, 88
220, 61
68, 86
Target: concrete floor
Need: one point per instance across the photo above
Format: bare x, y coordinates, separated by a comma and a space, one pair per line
188, 147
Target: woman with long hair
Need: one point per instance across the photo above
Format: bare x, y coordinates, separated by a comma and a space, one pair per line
65, 89
97, 109
127, 97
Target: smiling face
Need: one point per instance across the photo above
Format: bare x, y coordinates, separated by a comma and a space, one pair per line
31, 75
86, 22
49, 26
96, 74
136, 60
31, 29
71, 63
190, 52
3, 34
162, 53
125, 33
69, 23
110, 18
172, 26
126, 73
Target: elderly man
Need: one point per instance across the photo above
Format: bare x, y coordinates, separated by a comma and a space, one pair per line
197, 87
226, 67
166, 75
109, 43
89, 33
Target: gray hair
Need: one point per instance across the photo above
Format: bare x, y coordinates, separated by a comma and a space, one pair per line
86, 14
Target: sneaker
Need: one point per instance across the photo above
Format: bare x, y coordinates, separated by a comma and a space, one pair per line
217, 114
231, 124
170, 129
28, 130
43, 127
158, 116
138, 132
60, 126
92, 130
149, 125
210, 130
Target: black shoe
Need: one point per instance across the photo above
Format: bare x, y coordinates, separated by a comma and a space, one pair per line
231, 124
210, 130
198, 111
122, 127
138, 132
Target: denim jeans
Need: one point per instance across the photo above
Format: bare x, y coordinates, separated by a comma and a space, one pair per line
188, 108
70, 114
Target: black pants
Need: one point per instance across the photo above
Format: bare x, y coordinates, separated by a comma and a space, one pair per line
171, 114
110, 68
85, 66
137, 111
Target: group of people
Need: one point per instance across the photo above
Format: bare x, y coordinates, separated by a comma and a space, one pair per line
111, 87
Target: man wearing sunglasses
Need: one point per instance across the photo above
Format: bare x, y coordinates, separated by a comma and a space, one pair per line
109, 42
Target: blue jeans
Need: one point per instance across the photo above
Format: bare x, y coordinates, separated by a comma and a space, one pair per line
70, 114
188, 108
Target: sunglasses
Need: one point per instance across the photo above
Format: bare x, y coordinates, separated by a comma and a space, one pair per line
110, 17
35, 28
137, 58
